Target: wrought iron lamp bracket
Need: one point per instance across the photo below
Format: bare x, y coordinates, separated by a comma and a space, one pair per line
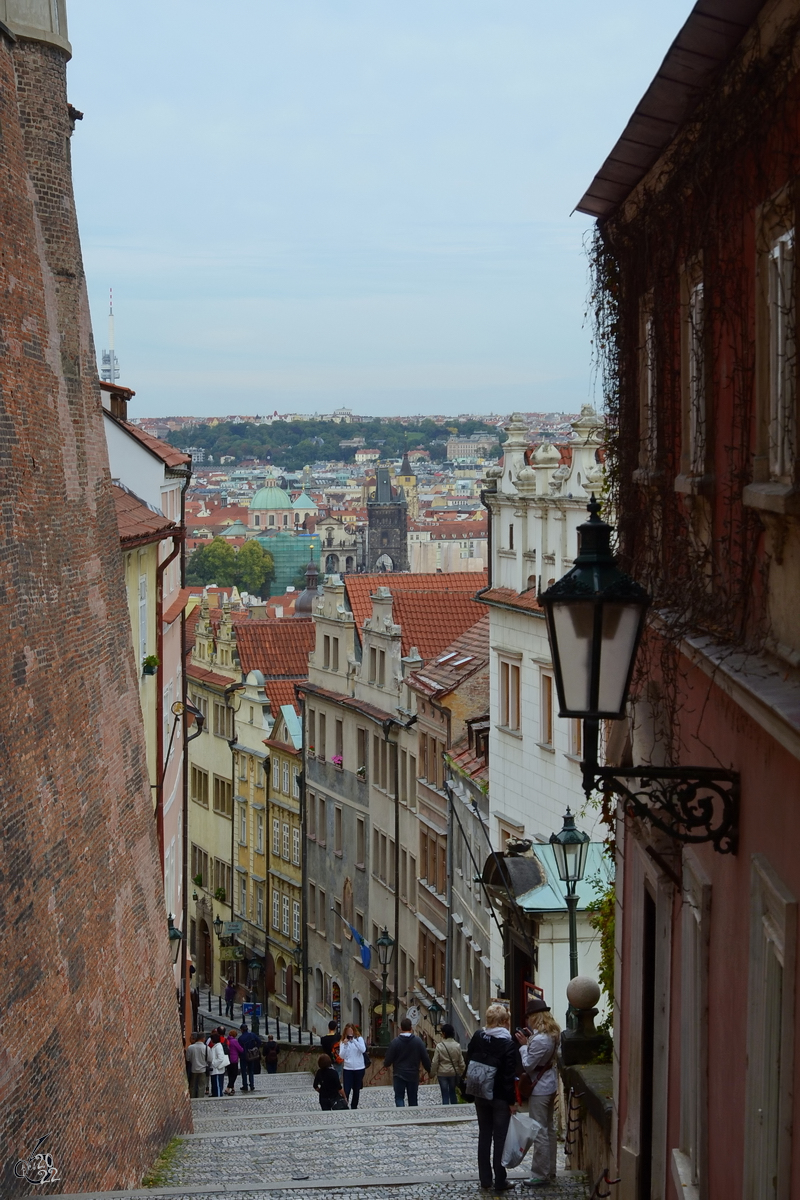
691, 804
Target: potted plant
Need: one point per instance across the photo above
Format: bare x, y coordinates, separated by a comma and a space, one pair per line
219, 894
150, 664
198, 879
337, 761
362, 772
310, 750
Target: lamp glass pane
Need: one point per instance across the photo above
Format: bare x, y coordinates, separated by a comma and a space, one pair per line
572, 855
560, 857
618, 645
573, 626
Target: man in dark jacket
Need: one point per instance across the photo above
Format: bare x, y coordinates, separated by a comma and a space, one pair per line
405, 1054
251, 1047
490, 1082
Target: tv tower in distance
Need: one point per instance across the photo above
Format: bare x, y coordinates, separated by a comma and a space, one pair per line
109, 369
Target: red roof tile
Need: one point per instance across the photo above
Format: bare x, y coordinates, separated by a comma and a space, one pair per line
169, 455
359, 588
137, 522
202, 675
430, 624
458, 661
280, 692
508, 598
275, 646
178, 605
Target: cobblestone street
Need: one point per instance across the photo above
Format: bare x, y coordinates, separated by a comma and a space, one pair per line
279, 1144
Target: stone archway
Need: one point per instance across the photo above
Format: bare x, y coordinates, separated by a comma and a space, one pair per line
384, 563
331, 564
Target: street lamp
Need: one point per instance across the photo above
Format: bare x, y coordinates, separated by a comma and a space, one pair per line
175, 939
253, 976
217, 926
385, 947
595, 619
435, 1013
570, 848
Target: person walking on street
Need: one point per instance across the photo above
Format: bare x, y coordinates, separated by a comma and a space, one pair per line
327, 1083
353, 1049
251, 1054
405, 1054
218, 1060
330, 1045
197, 1060
538, 1053
492, 1089
234, 1054
447, 1064
271, 1055
230, 996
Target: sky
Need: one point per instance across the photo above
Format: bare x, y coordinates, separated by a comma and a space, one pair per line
308, 204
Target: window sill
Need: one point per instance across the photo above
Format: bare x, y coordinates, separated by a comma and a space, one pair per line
694, 485
576, 758
780, 498
360, 867
682, 1176
338, 854
506, 553
515, 733
546, 746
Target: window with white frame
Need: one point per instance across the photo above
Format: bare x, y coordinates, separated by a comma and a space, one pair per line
259, 773
142, 618
243, 824
259, 906
286, 916
296, 920
770, 1035
276, 909
285, 840
546, 709
286, 779
576, 737
296, 846
276, 775
259, 833
243, 895
296, 782
509, 693
242, 765
782, 361
276, 835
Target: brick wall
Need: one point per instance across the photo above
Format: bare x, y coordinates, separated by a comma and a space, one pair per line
90, 1050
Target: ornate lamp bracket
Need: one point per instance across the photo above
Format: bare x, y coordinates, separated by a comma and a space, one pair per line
691, 804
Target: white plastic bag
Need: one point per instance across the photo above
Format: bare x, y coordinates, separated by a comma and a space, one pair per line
522, 1131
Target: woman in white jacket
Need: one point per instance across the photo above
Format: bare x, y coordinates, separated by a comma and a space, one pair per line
219, 1061
538, 1054
352, 1049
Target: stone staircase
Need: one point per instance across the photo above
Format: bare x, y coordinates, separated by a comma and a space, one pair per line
278, 1144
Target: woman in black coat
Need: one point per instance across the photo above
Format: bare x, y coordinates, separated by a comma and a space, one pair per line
493, 1064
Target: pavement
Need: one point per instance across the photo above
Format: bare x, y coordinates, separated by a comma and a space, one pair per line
277, 1144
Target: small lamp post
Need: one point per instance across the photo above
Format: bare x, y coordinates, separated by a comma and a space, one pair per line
571, 848
435, 1013
218, 925
175, 939
253, 977
385, 946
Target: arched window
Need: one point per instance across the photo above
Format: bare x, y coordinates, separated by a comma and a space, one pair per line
272, 520
356, 1011
258, 520
285, 520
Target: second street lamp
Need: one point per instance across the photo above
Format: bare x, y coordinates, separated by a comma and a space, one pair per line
385, 948
570, 849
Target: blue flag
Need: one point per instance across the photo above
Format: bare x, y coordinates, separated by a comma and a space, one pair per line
363, 945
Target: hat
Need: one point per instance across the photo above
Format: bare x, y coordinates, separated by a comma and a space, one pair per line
534, 1005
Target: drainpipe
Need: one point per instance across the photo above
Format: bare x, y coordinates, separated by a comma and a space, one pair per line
177, 540
448, 946
304, 868
186, 962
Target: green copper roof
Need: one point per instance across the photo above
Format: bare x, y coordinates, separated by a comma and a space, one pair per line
270, 497
303, 501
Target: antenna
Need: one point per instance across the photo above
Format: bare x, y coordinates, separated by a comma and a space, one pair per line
109, 370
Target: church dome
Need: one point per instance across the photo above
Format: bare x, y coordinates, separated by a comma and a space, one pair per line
270, 497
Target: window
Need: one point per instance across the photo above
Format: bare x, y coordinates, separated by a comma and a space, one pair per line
223, 720
690, 1161
201, 702
339, 738
242, 824
361, 842
511, 537
286, 916
770, 1035
296, 782
322, 824
381, 668
199, 784
576, 737
335, 654
373, 664
311, 730
509, 694
242, 764
200, 866
321, 742
546, 713
322, 912
296, 846
403, 873
695, 388
782, 361
259, 773
311, 815
286, 779
142, 617
412, 881
259, 906
403, 776
337, 830
326, 652
647, 385
222, 878
223, 797
285, 841
312, 904
276, 775
276, 909
243, 895
259, 833
337, 923
296, 920
276, 835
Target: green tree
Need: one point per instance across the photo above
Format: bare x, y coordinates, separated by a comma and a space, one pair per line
254, 565
214, 563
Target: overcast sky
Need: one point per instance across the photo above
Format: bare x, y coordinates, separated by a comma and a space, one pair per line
302, 204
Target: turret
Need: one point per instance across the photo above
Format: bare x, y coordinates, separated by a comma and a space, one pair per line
38, 21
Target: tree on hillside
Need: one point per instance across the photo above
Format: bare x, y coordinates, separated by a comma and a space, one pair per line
214, 563
254, 566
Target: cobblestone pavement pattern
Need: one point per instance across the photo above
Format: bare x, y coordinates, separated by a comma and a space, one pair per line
279, 1145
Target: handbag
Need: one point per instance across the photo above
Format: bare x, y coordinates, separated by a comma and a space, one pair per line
339, 1103
367, 1059
253, 1054
479, 1080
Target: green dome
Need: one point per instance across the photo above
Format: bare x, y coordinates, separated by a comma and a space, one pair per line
303, 501
270, 497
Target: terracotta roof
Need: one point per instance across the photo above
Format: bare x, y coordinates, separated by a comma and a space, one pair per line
359, 588
280, 692
202, 675
467, 762
457, 662
432, 626
169, 455
178, 605
275, 646
369, 710
508, 598
137, 522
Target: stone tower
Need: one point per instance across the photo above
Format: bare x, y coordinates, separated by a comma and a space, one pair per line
407, 480
387, 517
84, 951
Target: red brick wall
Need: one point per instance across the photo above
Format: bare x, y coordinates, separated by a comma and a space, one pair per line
90, 1049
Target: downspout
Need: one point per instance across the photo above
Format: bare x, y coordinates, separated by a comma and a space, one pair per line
177, 539
186, 963
301, 700
448, 946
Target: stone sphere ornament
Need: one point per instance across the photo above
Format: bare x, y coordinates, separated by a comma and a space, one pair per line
583, 992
